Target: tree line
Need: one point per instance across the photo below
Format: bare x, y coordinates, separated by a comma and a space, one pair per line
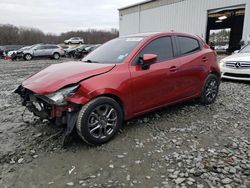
10, 34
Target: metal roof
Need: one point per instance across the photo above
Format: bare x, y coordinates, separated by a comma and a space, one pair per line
136, 4
144, 5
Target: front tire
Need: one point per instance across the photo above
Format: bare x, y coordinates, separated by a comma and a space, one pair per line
27, 57
99, 120
210, 89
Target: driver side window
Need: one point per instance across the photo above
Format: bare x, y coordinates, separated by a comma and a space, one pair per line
39, 47
162, 47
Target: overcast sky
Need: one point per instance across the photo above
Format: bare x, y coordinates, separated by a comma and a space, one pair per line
56, 16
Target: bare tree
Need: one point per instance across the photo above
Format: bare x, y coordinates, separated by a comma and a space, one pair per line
10, 34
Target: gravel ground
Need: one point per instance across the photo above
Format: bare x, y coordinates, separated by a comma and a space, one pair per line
186, 145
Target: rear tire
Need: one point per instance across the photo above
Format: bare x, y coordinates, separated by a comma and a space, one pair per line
210, 89
27, 57
56, 56
99, 120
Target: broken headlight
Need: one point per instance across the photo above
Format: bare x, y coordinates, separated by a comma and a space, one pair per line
59, 97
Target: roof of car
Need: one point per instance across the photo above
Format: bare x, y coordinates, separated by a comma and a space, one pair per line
45, 45
151, 34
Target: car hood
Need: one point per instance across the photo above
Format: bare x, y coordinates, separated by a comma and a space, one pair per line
57, 76
71, 49
238, 57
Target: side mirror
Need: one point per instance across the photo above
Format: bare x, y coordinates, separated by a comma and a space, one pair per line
236, 51
146, 60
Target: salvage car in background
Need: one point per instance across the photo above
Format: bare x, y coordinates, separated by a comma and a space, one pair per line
18, 54
237, 66
74, 40
82, 52
12, 53
42, 50
5, 49
71, 50
123, 78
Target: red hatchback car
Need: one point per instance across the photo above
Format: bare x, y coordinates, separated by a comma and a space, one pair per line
124, 78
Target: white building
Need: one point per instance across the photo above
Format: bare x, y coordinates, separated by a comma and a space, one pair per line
193, 16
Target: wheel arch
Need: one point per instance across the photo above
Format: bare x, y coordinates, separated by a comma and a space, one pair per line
117, 99
215, 69
55, 52
216, 73
82, 99
28, 53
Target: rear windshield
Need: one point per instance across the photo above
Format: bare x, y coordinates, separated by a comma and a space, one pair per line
246, 49
114, 51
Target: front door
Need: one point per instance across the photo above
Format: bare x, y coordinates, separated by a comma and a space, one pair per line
40, 51
156, 85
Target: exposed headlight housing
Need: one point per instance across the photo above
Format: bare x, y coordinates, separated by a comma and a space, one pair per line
59, 97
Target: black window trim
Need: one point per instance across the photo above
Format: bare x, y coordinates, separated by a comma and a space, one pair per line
179, 49
174, 49
175, 46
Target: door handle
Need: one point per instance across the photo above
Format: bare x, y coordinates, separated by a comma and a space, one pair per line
204, 59
173, 68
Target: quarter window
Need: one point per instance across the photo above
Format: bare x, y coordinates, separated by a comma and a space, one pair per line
188, 45
162, 47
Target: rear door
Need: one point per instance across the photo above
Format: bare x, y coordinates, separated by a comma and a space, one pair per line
155, 86
192, 67
74, 40
51, 49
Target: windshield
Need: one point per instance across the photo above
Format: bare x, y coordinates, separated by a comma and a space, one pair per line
26, 48
245, 49
114, 51
82, 47
35, 46
89, 47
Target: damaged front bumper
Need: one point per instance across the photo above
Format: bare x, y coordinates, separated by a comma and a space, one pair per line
43, 107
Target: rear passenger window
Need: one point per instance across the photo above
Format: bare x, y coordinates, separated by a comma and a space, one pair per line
188, 45
162, 47
53, 47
